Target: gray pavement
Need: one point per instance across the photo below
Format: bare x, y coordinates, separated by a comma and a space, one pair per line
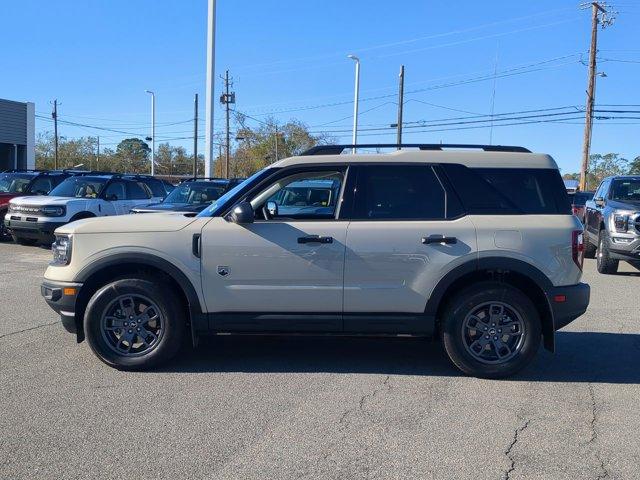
316, 408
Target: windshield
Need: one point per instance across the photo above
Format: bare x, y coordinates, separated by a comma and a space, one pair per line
14, 182
626, 190
196, 193
79, 187
219, 205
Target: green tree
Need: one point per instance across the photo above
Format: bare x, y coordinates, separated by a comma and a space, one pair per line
133, 155
269, 142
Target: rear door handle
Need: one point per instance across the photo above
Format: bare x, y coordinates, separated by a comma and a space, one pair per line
439, 239
315, 239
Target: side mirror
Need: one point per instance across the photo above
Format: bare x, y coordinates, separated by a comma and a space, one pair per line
242, 213
272, 209
599, 201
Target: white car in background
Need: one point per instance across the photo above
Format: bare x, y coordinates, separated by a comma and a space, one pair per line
33, 220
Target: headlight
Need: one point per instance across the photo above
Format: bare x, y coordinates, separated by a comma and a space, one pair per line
61, 249
53, 211
621, 222
12, 208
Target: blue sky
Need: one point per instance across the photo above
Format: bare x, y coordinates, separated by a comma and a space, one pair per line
288, 60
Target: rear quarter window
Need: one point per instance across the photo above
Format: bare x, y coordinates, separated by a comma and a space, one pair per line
509, 191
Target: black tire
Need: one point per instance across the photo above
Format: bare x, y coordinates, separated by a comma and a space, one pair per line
463, 304
604, 262
81, 216
169, 306
589, 248
24, 241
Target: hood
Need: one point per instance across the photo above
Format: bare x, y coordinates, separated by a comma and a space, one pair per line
42, 200
618, 205
171, 207
162, 222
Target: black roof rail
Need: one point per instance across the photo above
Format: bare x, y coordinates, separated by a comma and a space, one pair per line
338, 149
23, 170
96, 172
191, 179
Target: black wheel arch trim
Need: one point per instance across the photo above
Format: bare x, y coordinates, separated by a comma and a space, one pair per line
499, 265
146, 259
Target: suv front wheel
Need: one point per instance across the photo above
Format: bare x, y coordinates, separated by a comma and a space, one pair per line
134, 323
491, 330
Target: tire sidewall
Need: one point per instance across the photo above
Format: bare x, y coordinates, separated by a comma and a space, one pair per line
467, 301
604, 262
169, 306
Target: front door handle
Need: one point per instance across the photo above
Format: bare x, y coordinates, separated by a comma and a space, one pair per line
439, 239
315, 239
195, 245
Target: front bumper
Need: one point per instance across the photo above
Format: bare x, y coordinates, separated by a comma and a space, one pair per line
61, 297
568, 303
624, 247
33, 228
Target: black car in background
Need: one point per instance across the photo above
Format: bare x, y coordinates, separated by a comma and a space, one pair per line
578, 201
191, 196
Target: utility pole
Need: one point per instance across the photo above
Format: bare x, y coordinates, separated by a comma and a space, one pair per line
209, 98
599, 15
54, 115
97, 154
400, 104
227, 98
276, 129
195, 136
356, 96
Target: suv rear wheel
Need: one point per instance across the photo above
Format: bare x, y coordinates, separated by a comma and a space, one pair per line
491, 330
604, 261
134, 323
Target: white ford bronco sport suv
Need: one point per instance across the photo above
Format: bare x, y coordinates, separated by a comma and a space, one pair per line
34, 219
477, 247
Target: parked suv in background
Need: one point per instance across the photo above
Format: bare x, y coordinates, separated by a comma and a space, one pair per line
191, 196
19, 183
613, 222
33, 219
471, 246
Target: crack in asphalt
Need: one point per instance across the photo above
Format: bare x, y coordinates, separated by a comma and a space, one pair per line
29, 329
604, 472
507, 452
371, 396
364, 398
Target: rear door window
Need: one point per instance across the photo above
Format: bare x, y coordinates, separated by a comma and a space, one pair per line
406, 192
136, 191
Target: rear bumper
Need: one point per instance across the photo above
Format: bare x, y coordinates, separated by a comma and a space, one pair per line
35, 230
61, 297
568, 303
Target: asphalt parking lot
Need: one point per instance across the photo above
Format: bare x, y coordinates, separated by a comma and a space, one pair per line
316, 408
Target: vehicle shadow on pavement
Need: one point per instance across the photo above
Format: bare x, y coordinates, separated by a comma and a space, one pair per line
580, 357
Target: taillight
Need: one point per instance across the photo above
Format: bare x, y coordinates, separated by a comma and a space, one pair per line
577, 247
575, 210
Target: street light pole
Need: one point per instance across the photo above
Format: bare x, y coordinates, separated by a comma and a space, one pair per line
209, 95
355, 102
153, 131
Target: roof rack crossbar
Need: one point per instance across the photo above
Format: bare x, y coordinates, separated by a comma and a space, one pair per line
338, 149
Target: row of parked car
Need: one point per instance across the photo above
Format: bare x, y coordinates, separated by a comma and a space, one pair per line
33, 203
611, 219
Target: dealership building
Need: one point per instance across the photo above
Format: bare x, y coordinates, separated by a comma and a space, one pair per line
17, 135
